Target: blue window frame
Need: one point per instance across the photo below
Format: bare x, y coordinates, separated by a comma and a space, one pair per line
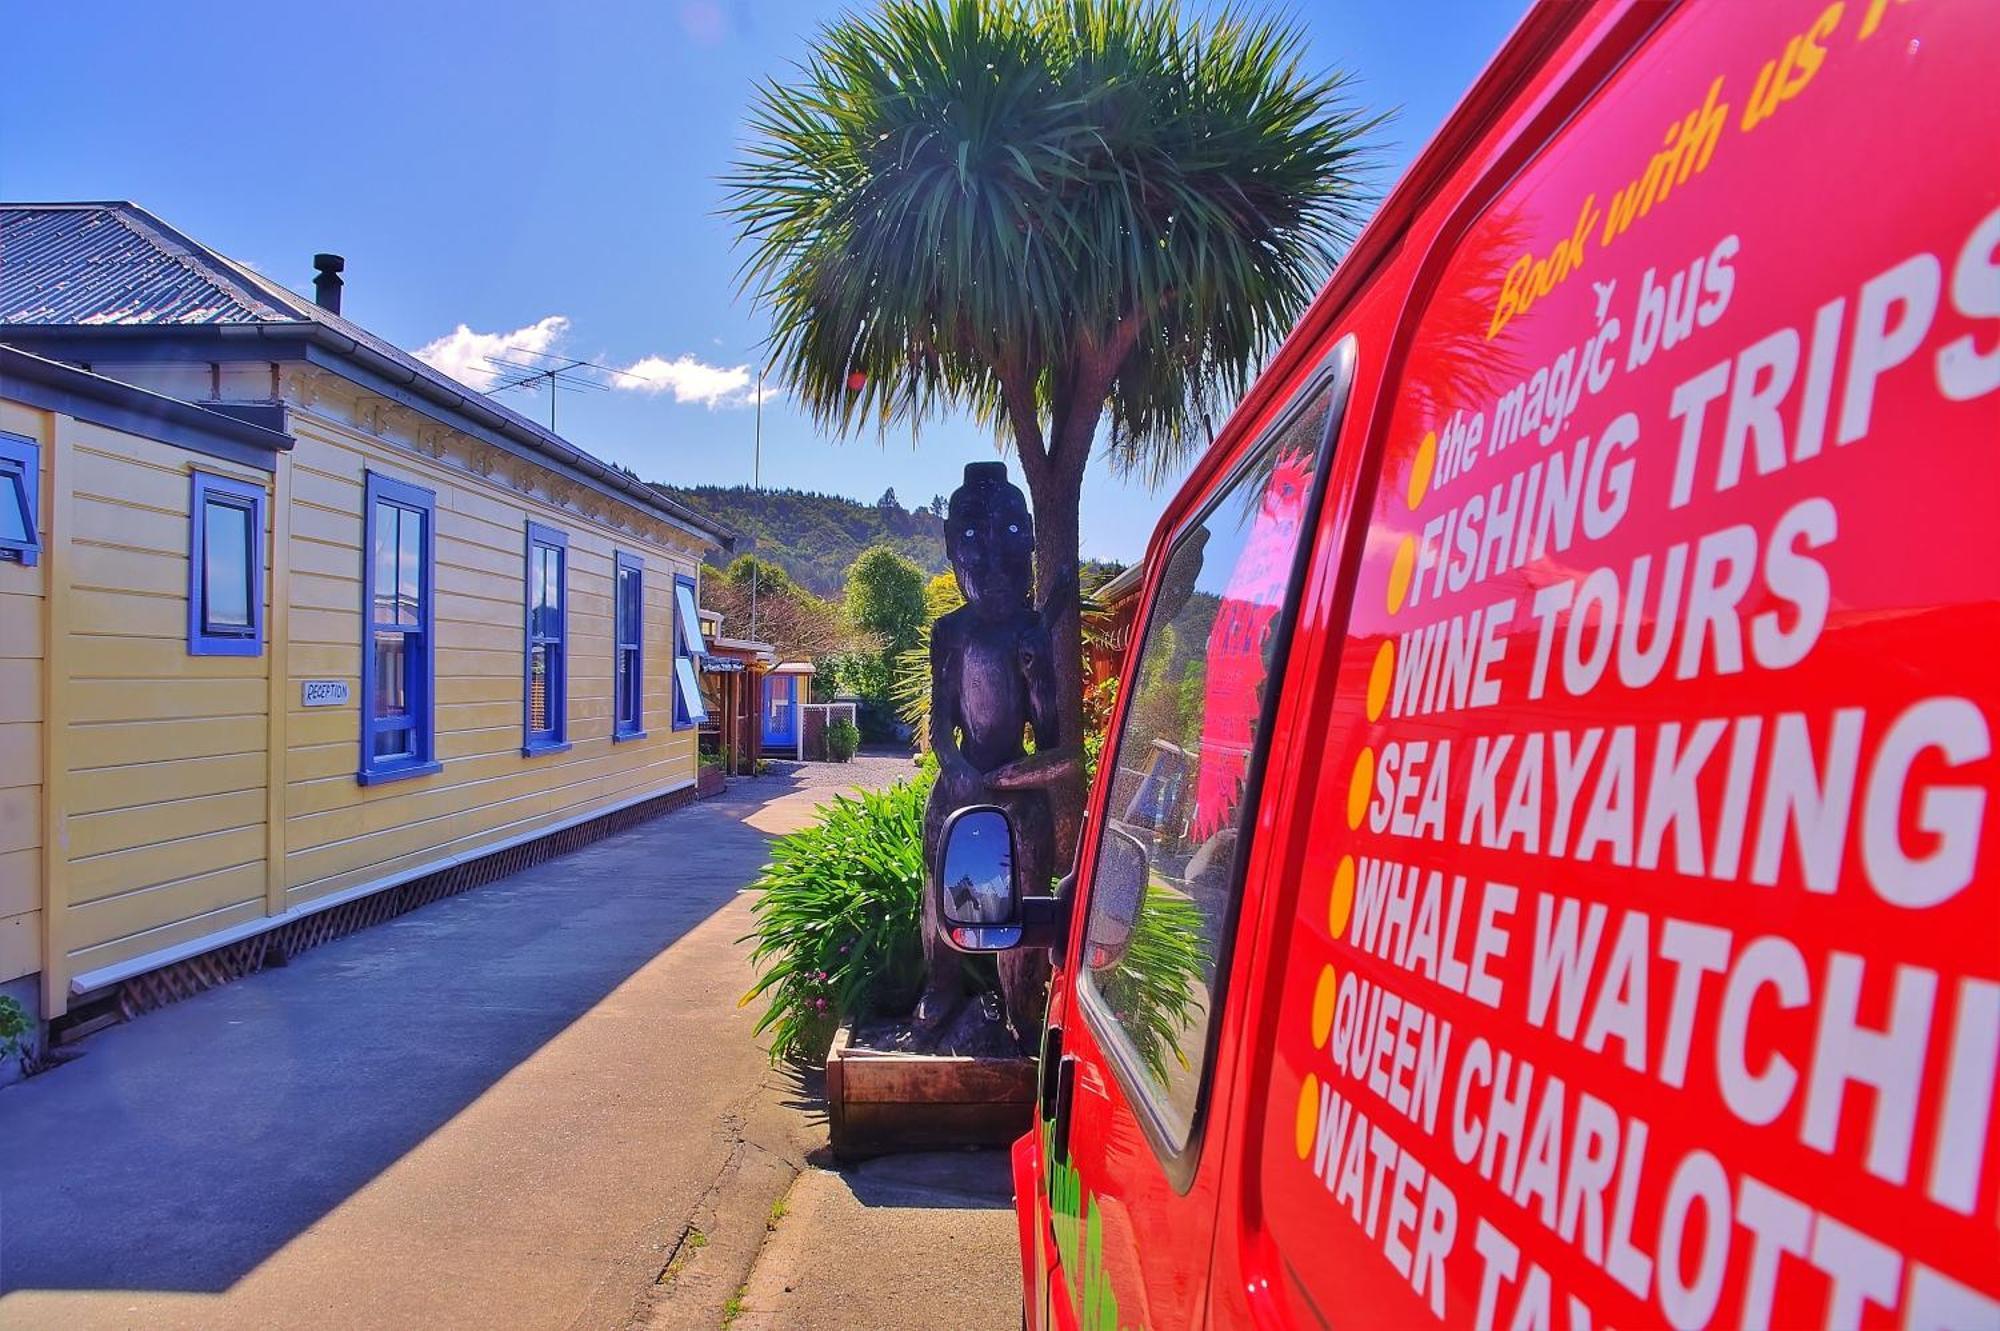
225, 567
628, 665
689, 710
545, 711
398, 650
20, 491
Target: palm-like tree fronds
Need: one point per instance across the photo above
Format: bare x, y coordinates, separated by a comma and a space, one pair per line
1044, 206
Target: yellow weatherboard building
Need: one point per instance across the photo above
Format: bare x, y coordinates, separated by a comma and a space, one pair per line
290, 620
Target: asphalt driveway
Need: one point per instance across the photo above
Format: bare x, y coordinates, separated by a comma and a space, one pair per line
505, 1108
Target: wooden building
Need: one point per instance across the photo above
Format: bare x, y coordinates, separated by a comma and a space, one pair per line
732, 675
1109, 623
787, 689
295, 619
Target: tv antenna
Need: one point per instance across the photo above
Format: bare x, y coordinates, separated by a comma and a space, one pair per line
551, 373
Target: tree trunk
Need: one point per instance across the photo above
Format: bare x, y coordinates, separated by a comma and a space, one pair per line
1056, 490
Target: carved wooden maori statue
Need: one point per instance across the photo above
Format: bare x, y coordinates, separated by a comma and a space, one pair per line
992, 678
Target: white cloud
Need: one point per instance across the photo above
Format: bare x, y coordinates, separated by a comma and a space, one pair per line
690, 380
465, 355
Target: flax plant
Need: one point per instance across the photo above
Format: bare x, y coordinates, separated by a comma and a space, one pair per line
839, 918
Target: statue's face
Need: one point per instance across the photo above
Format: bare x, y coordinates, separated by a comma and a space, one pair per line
991, 541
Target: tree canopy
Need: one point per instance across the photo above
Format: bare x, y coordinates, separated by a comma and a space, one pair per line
816, 536
1040, 207
800, 625
941, 596
1051, 213
885, 597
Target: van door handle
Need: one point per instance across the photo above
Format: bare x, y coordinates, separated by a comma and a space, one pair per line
1052, 1053
1065, 1104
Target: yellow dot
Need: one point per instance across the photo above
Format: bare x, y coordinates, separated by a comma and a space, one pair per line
1323, 1006
1341, 905
1379, 678
1359, 786
1307, 1126
1399, 573
1420, 468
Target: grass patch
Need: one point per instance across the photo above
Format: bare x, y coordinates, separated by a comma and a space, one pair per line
692, 1242
733, 1309
778, 1211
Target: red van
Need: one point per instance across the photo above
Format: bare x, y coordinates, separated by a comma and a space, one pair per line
1542, 871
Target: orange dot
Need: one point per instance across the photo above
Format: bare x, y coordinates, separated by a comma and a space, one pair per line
1379, 677
1358, 787
1323, 997
1307, 1126
1421, 467
1399, 573
1341, 905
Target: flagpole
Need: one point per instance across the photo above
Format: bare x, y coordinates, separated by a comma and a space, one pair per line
756, 484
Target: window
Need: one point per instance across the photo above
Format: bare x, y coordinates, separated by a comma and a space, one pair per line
628, 667
20, 484
397, 738
225, 568
688, 650
1185, 773
547, 665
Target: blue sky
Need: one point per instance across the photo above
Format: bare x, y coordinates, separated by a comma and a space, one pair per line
554, 169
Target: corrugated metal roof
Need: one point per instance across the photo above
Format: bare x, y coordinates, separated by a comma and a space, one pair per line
94, 264
115, 264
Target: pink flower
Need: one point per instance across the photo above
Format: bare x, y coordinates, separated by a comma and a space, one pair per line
820, 1003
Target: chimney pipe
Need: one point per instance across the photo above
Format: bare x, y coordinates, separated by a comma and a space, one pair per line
326, 286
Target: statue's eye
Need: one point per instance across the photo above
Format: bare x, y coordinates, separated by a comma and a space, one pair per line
1014, 528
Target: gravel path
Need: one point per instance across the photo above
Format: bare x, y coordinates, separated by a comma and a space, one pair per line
868, 771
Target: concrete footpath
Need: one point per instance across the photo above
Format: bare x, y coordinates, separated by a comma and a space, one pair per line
904, 1243
534, 1105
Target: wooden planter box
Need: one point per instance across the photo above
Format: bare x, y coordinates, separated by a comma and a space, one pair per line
709, 781
881, 1102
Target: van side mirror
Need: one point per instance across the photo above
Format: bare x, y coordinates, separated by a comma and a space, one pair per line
979, 893
978, 898
1117, 895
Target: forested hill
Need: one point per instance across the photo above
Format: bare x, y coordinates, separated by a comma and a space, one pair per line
815, 536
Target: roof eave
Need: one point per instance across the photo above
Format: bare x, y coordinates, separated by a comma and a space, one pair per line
53, 385
468, 405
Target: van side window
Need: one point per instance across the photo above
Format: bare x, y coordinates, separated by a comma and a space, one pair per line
1188, 749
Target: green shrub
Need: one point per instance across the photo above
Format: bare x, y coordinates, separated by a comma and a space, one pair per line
840, 917
1100, 700
17, 1030
843, 740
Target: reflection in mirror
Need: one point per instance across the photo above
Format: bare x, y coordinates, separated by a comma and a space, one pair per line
976, 879
1116, 900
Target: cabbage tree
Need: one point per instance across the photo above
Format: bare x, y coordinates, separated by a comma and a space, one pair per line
1062, 215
